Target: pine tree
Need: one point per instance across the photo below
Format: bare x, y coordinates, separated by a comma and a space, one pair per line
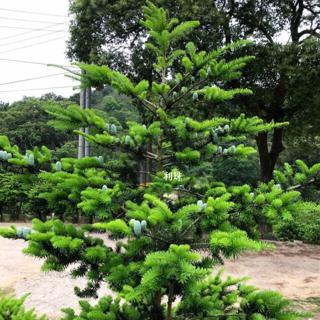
170, 229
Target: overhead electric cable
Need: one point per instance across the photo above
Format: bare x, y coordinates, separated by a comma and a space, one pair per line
25, 61
30, 38
34, 62
37, 13
28, 32
27, 20
35, 89
30, 79
31, 45
31, 29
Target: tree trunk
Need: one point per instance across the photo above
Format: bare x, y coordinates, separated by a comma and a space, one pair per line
142, 170
170, 302
145, 167
268, 158
157, 311
148, 165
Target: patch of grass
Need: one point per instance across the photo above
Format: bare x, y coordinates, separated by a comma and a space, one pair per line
310, 304
6, 291
315, 301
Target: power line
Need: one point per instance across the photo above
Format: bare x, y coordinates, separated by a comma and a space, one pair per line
35, 89
31, 38
28, 20
31, 29
25, 61
28, 32
17, 35
30, 79
36, 13
34, 62
32, 45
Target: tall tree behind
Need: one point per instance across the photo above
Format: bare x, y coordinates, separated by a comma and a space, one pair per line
276, 71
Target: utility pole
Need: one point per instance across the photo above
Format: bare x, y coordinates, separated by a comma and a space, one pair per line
83, 145
81, 141
87, 130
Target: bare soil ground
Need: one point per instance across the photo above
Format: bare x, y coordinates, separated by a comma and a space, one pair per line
292, 268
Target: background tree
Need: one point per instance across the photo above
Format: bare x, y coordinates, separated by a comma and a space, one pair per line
14, 188
304, 101
26, 124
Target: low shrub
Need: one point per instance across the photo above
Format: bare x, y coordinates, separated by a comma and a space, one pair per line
304, 226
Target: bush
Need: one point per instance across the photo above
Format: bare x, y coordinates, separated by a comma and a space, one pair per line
304, 226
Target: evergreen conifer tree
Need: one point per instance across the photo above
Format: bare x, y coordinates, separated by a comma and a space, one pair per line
170, 228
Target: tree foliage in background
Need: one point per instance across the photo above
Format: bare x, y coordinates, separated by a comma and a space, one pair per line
304, 226
26, 125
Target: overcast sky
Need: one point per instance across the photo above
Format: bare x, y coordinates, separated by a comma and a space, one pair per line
19, 41
24, 44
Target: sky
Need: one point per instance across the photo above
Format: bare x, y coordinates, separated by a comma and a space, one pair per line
21, 39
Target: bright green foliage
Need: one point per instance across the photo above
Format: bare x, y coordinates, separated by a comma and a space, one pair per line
80, 118
116, 227
232, 243
13, 309
267, 204
101, 203
268, 305
172, 227
300, 174
69, 188
33, 159
10, 233
164, 33
199, 140
69, 246
233, 299
278, 203
106, 309
218, 94
213, 297
168, 271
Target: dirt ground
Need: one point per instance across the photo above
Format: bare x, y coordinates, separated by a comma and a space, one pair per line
293, 269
